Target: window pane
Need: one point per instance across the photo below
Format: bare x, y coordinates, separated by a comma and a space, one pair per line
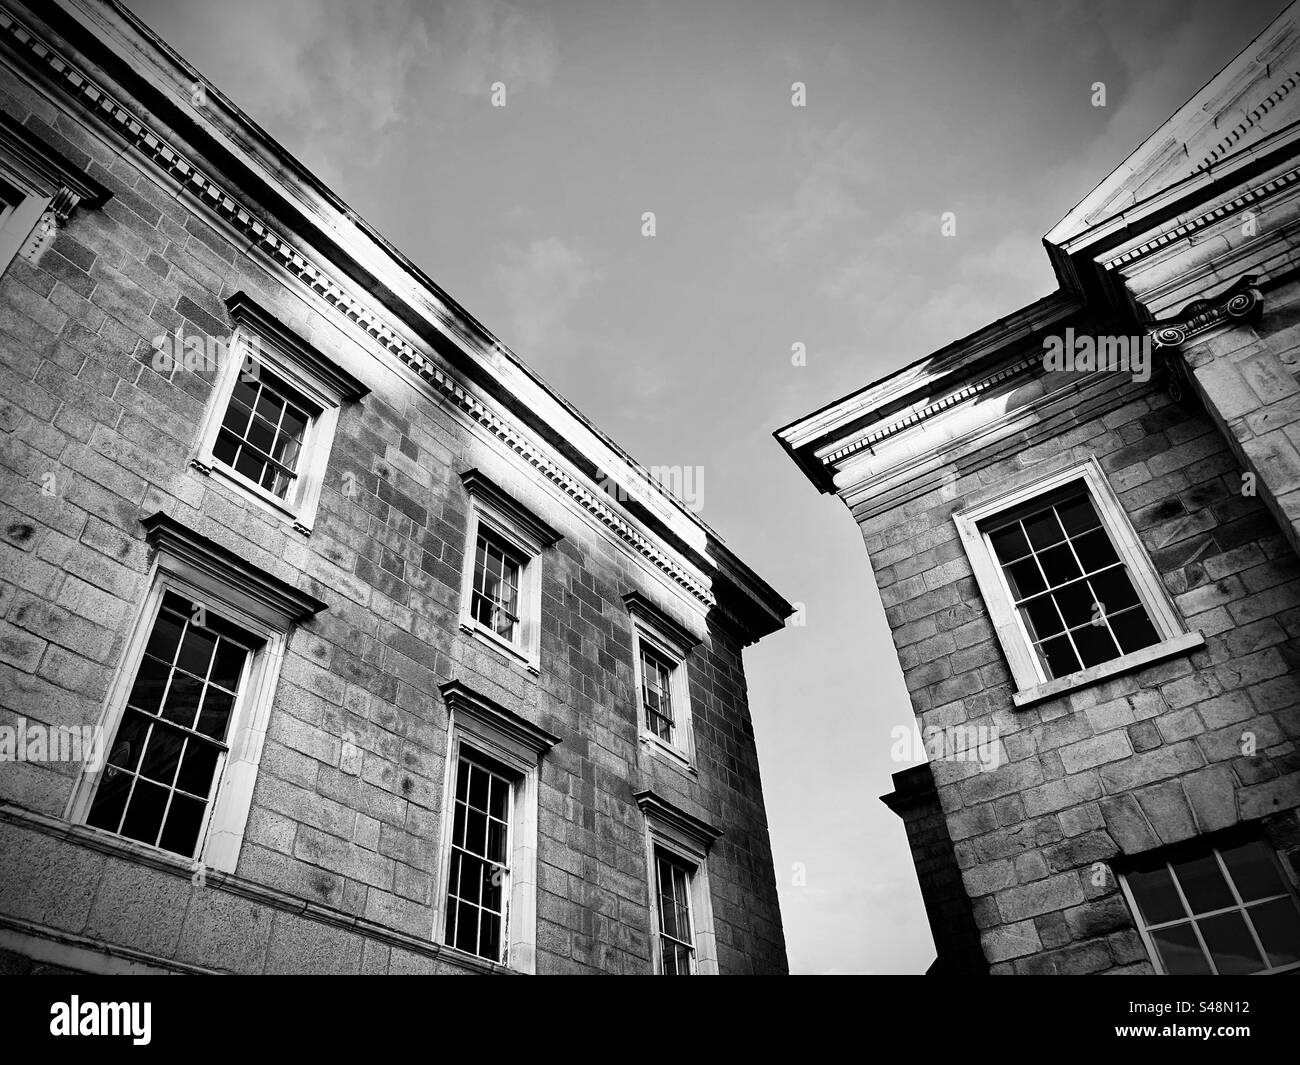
245, 392
1042, 617
183, 699
261, 434
294, 424
268, 406
129, 742
1278, 926
1179, 951
466, 927
1253, 871
110, 800
1156, 896
478, 874
1114, 590
493, 878
500, 797
1059, 565
1133, 630
496, 844
1044, 530
1078, 516
476, 831
1094, 645
145, 814
162, 755
1228, 940
226, 449
249, 465
167, 759
214, 718
1076, 604
1025, 578
236, 419
490, 937
1095, 551
198, 768
478, 787
1203, 884
1059, 657
1010, 543
228, 665
165, 637
196, 651
150, 683
184, 819
1082, 579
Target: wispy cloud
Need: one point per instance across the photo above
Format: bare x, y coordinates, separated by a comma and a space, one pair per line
332, 76
836, 169
541, 282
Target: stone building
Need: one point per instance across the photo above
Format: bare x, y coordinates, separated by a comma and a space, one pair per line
947, 906
1083, 521
326, 645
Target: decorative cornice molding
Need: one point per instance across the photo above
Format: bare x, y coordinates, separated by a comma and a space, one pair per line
657, 808
640, 606
167, 536
478, 483
1242, 301
262, 324
69, 186
931, 409
154, 147
461, 699
1236, 204
1266, 105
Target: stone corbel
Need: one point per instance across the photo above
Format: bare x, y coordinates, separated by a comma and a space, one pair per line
1241, 302
44, 168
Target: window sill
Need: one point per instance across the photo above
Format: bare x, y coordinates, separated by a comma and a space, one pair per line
209, 466
505, 647
658, 747
1085, 678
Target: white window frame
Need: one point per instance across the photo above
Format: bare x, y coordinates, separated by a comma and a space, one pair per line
17, 223
688, 839
1215, 849
476, 723
672, 643
207, 574
51, 188
266, 342
1027, 672
528, 537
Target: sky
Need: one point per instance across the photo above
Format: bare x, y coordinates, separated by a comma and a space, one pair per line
774, 225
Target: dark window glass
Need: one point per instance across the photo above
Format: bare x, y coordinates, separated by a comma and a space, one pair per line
676, 934
1065, 576
494, 598
262, 433
478, 871
1243, 916
157, 755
